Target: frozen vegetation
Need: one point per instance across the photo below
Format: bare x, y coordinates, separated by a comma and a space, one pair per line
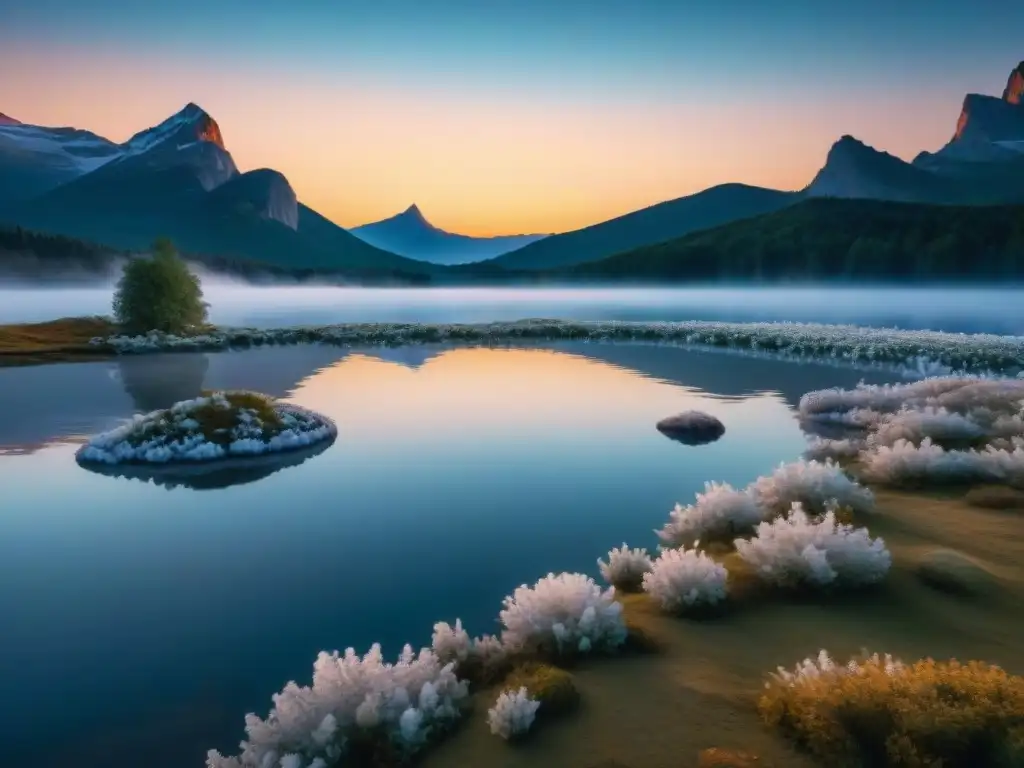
813, 484
722, 513
565, 613
943, 429
914, 352
625, 568
352, 698
217, 426
818, 551
512, 714
684, 579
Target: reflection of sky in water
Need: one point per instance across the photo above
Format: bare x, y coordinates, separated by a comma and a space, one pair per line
137, 615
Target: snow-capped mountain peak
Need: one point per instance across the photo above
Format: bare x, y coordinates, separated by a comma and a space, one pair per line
190, 125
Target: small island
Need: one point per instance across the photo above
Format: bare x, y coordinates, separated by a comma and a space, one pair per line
217, 427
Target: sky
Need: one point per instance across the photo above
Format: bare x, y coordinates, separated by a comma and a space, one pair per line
513, 116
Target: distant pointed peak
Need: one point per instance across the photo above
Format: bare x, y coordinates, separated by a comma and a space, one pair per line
5, 120
1014, 91
414, 213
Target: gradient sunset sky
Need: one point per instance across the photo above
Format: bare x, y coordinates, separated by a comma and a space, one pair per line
514, 115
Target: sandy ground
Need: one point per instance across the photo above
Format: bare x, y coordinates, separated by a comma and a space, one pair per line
660, 711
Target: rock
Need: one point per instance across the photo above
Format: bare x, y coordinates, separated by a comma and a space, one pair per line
950, 571
692, 428
728, 758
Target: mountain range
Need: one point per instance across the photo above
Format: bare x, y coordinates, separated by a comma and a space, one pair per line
410, 234
178, 179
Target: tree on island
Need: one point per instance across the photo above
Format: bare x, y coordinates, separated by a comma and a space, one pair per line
159, 293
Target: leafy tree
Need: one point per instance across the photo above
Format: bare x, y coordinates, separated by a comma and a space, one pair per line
158, 293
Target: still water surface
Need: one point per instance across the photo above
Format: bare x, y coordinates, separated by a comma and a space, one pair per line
145, 622
969, 310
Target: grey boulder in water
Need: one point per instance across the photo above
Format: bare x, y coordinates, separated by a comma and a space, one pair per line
692, 428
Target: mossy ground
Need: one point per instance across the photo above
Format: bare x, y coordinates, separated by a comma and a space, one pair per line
701, 688
216, 421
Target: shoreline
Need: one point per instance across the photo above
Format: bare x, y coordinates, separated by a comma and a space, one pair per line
910, 352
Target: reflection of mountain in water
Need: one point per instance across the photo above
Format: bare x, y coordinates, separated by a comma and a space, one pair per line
212, 475
50, 403
723, 373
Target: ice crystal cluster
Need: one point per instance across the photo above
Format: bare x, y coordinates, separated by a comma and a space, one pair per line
914, 352
824, 666
625, 568
802, 550
951, 428
722, 513
183, 432
512, 714
407, 703
683, 579
567, 613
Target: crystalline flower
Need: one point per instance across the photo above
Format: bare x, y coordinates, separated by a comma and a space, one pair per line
814, 484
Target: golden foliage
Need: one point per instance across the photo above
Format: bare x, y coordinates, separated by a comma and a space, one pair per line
927, 715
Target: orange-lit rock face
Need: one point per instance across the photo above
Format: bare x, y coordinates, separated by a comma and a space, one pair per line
961, 122
1014, 92
208, 130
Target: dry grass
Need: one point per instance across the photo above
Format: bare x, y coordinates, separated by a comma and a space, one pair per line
66, 339
930, 714
996, 497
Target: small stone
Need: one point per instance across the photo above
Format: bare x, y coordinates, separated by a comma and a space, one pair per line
692, 428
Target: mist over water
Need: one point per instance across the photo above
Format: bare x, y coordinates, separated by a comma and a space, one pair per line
968, 310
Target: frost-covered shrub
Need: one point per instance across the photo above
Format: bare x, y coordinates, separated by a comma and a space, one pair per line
812, 483
625, 568
881, 712
683, 579
478, 659
563, 614
406, 703
512, 714
906, 463
721, 513
798, 549
223, 424
938, 424
822, 449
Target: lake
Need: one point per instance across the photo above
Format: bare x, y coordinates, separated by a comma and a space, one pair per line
968, 310
143, 622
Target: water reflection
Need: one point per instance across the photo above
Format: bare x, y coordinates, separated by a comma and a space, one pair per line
209, 476
458, 474
66, 402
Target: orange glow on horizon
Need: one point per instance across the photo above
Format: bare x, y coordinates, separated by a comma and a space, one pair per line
359, 152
